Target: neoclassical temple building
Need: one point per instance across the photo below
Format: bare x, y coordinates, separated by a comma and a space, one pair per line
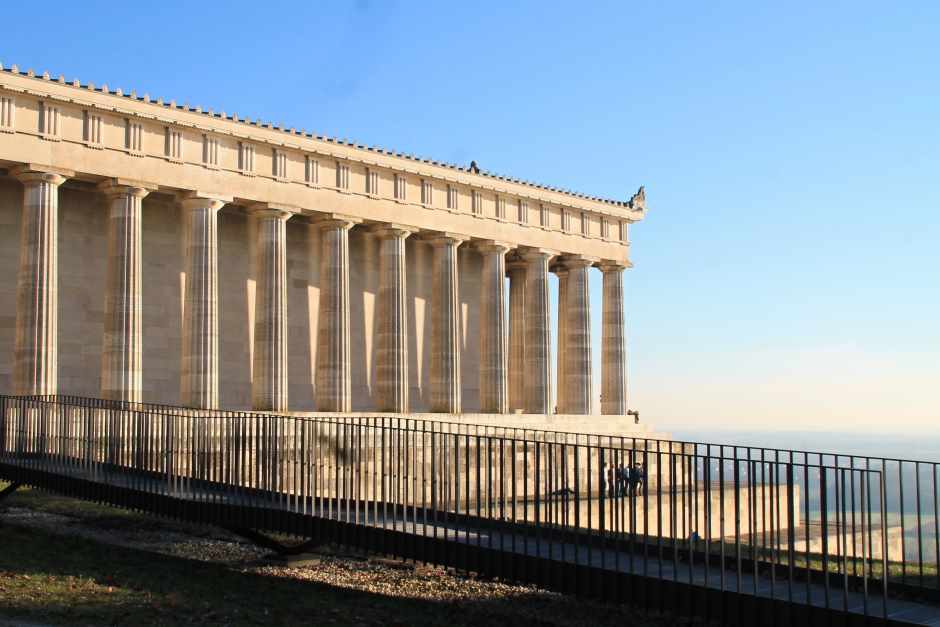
154, 251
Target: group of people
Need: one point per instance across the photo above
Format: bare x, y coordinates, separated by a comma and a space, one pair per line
625, 480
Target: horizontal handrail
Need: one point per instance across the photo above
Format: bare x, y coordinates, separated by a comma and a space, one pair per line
688, 511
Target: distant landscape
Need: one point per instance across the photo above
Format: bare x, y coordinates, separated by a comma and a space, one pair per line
923, 446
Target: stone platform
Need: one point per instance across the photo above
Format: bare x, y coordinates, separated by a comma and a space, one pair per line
623, 426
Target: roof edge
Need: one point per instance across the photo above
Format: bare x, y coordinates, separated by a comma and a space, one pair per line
637, 203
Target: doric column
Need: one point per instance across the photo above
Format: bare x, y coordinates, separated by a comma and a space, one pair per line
199, 376
35, 348
494, 386
561, 381
121, 368
445, 326
613, 343
334, 375
579, 388
269, 371
391, 371
538, 383
517, 292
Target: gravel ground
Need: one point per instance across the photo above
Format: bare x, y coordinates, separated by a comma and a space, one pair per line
337, 568
334, 567
341, 569
207, 546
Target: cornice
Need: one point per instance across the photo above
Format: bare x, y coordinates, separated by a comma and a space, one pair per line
275, 135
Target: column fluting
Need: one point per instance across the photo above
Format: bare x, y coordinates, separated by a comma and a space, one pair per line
199, 374
494, 386
334, 374
538, 383
35, 348
121, 355
613, 343
269, 381
445, 326
391, 371
561, 381
579, 388
517, 291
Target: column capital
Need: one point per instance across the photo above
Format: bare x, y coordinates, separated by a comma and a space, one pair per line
515, 262
607, 265
389, 230
272, 210
445, 239
492, 246
125, 187
537, 254
334, 221
202, 200
577, 261
34, 173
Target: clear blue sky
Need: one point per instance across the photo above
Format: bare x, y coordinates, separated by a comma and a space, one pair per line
787, 273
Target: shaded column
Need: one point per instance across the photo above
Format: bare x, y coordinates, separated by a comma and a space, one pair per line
494, 386
334, 374
561, 381
517, 290
199, 374
121, 358
35, 348
538, 383
579, 388
613, 343
445, 326
391, 371
269, 370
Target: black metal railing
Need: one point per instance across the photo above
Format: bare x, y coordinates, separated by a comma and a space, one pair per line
816, 529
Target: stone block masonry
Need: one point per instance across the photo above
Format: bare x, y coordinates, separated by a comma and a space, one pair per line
190, 257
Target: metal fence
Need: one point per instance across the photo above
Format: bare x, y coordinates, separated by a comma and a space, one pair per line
794, 527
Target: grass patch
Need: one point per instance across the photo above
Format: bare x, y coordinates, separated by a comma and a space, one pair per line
99, 515
46, 577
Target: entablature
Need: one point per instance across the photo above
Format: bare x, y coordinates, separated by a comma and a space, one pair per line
169, 136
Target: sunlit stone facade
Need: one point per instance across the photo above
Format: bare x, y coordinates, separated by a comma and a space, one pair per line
163, 253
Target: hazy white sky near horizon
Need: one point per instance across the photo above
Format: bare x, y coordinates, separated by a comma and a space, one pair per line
787, 273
